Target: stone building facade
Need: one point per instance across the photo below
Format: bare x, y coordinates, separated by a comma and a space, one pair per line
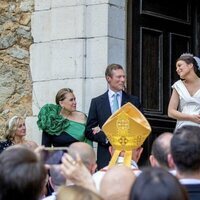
15, 77
72, 43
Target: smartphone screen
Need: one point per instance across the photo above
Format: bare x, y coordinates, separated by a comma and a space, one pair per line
53, 155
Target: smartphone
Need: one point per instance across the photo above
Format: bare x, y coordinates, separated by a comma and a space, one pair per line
53, 155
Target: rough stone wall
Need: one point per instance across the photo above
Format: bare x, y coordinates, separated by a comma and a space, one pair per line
15, 78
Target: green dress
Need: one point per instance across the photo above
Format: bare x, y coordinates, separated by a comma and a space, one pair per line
57, 130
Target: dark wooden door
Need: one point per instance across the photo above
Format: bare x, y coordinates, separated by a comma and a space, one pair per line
159, 31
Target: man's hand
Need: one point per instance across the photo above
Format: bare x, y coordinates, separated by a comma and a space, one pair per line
77, 172
96, 130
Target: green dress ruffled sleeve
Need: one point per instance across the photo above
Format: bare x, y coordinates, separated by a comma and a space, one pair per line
50, 121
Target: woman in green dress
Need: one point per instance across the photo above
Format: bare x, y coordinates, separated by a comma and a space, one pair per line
62, 124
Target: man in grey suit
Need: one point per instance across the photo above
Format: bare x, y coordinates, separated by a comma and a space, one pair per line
102, 107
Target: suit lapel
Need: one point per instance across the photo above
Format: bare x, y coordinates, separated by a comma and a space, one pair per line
125, 98
106, 108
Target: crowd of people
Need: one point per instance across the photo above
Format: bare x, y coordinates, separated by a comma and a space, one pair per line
174, 171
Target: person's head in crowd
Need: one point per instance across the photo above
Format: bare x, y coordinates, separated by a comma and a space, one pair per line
22, 174
189, 59
185, 151
16, 132
115, 77
157, 183
116, 183
56, 177
15, 128
75, 192
86, 153
136, 153
160, 151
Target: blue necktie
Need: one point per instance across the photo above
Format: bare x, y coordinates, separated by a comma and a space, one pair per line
115, 103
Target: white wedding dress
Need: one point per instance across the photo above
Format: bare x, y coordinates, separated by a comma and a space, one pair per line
188, 104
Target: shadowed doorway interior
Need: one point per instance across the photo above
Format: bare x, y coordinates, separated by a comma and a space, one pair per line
158, 33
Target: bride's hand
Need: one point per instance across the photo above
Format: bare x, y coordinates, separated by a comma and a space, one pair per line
196, 119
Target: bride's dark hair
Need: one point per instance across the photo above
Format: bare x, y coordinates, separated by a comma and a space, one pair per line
191, 59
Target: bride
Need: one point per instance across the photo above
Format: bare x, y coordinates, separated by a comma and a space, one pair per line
184, 105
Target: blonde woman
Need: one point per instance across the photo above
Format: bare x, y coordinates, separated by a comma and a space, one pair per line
15, 134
